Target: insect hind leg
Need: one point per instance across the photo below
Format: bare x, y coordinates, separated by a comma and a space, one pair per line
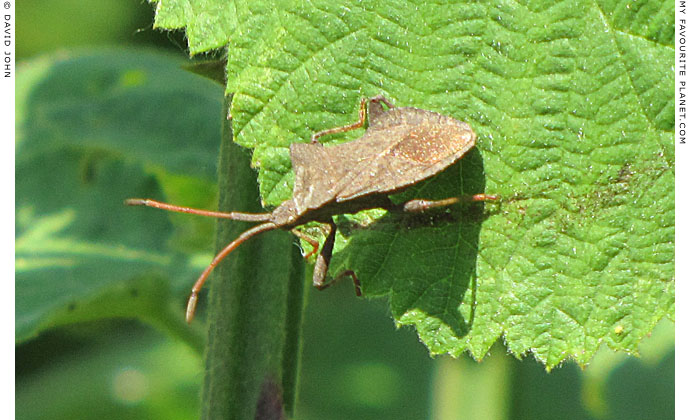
420, 206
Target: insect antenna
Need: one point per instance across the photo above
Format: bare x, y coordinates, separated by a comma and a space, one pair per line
246, 217
233, 215
193, 297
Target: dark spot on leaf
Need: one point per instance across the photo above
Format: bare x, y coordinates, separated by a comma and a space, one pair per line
89, 166
87, 171
624, 173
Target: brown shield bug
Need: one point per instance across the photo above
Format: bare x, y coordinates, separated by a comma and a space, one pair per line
401, 147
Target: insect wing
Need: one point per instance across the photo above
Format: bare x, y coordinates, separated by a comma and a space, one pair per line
417, 144
317, 172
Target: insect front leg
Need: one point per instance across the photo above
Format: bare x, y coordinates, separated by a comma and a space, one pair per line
311, 241
323, 261
374, 112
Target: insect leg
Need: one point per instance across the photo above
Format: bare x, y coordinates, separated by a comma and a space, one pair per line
234, 215
381, 98
362, 117
360, 123
314, 243
420, 206
479, 197
355, 280
324, 259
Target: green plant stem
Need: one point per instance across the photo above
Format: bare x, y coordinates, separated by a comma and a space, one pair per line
255, 307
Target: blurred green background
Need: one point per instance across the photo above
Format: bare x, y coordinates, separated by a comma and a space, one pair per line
355, 364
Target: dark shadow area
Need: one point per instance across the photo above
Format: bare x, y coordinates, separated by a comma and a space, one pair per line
639, 390
634, 390
423, 262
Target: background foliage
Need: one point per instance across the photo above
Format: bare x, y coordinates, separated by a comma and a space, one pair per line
82, 256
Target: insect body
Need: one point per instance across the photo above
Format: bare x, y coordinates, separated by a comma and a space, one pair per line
401, 147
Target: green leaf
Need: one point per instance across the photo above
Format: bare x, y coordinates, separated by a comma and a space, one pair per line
126, 372
92, 130
572, 104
